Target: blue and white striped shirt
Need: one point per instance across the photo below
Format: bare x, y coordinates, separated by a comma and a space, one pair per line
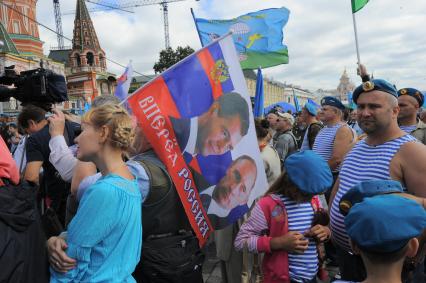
324, 141
362, 163
408, 129
302, 267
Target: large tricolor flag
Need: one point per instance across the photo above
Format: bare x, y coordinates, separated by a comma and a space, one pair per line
258, 36
185, 93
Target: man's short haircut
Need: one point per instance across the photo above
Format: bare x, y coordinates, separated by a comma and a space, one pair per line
231, 104
392, 100
105, 99
385, 258
30, 112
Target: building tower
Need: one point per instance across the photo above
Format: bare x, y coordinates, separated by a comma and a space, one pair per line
16, 16
344, 86
86, 54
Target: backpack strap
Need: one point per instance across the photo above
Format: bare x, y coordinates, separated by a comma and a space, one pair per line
22, 157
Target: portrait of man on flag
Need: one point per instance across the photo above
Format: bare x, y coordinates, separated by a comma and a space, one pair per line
198, 117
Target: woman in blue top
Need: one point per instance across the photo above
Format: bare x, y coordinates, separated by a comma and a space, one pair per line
105, 236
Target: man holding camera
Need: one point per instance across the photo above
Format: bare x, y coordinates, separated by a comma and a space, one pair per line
37, 153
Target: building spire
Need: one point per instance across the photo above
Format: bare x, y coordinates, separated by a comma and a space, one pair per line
84, 31
86, 54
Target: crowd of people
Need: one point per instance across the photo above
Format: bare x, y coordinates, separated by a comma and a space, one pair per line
87, 199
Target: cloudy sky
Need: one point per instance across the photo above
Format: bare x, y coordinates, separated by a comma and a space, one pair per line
319, 36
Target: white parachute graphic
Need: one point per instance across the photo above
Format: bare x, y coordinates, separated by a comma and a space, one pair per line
240, 29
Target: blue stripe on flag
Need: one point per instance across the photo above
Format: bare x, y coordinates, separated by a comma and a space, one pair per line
190, 88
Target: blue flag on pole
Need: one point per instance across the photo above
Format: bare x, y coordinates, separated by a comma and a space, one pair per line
258, 36
258, 98
351, 103
296, 102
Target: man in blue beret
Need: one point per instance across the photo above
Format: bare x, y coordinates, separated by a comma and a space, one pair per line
313, 126
386, 153
336, 138
393, 223
410, 101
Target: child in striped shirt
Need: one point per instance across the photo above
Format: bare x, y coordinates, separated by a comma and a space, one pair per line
282, 223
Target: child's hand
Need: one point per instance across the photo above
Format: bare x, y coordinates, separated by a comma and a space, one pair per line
319, 232
291, 242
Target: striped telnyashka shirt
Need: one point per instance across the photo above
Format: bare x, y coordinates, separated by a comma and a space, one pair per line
323, 145
408, 129
302, 267
362, 163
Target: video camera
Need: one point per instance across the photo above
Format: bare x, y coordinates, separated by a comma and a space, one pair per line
39, 87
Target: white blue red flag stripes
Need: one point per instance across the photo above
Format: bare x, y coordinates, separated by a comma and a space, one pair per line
183, 95
123, 83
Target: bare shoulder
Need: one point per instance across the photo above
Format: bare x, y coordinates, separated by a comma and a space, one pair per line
409, 167
344, 130
413, 151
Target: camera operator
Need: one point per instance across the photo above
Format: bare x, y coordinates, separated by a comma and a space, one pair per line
30, 120
37, 153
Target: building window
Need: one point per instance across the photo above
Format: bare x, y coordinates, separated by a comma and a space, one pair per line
90, 58
102, 60
77, 60
16, 27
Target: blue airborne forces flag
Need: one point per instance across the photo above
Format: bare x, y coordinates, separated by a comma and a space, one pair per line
258, 36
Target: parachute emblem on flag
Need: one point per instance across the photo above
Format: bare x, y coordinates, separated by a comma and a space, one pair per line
220, 72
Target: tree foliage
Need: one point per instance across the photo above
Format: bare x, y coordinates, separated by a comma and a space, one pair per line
169, 57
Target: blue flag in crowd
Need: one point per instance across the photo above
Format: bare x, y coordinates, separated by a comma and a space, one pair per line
296, 102
258, 98
351, 103
86, 107
258, 36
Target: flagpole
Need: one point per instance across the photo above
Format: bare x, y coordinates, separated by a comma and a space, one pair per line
196, 27
178, 63
356, 38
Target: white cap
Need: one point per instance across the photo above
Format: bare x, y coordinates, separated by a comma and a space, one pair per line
287, 116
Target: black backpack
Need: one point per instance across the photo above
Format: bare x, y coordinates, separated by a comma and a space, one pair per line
170, 250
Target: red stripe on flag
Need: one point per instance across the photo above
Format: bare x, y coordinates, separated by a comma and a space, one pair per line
208, 64
159, 89
152, 106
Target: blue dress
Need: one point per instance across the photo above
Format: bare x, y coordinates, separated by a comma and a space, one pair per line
105, 236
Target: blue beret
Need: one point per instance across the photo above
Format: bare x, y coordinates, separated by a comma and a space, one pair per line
384, 224
309, 172
417, 94
332, 101
312, 109
376, 84
367, 189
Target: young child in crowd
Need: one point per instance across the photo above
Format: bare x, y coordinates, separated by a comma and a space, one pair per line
383, 228
282, 223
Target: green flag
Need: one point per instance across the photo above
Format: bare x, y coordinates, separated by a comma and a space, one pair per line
358, 5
